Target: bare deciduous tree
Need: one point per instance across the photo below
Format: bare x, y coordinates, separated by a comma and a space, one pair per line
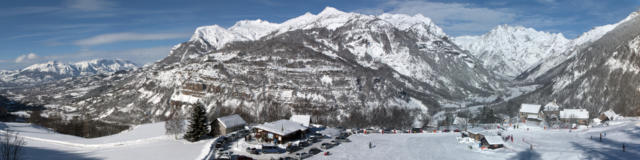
11, 146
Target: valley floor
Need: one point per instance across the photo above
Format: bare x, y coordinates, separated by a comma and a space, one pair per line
149, 142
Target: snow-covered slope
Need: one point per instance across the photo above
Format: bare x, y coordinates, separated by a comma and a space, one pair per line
598, 76
510, 50
569, 50
53, 70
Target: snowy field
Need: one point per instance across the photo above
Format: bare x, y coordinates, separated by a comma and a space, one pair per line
547, 144
142, 142
149, 142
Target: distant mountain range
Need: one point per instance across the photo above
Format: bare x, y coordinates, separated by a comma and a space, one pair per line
53, 71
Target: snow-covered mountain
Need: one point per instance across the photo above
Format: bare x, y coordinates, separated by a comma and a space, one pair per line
510, 50
53, 70
334, 65
600, 75
568, 51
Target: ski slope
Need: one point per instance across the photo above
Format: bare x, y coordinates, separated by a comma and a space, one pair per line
547, 144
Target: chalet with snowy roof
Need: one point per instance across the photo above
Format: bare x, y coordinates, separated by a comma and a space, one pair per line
551, 110
231, 123
609, 115
577, 116
530, 112
305, 120
492, 142
280, 131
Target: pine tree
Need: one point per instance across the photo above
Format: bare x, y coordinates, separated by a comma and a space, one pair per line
197, 124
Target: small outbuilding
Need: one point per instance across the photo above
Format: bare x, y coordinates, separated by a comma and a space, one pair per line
280, 131
609, 115
578, 116
492, 142
231, 123
530, 112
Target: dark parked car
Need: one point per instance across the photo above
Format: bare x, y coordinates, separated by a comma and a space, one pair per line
241, 157
292, 149
457, 130
445, 130
271, 149
219, 144
314, 151
252, 150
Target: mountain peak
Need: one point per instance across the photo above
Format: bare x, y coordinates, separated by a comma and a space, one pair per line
330, 11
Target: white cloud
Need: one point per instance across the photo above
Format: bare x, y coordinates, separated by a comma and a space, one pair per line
89, 5
119, 37
26, 57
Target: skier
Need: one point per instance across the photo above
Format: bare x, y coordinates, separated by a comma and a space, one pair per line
370, 145
605, 134
623, 147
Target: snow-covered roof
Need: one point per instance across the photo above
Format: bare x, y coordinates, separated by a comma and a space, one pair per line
574, 113
611, 115
231, 121
459, 120
492, 140
302, 119
282, 127
529, 108
551, 106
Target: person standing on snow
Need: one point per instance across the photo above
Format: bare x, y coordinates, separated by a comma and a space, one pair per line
600, 137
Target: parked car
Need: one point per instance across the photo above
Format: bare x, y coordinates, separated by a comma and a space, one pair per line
292, 149
271, 149
445, 130
326, 145
303, 143
334, 142
219, 144
241, 157
303, 155
252, 150
457, 130
314, 151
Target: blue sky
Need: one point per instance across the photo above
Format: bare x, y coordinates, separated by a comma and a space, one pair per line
35, 31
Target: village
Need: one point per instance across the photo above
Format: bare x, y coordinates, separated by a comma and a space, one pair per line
298, 138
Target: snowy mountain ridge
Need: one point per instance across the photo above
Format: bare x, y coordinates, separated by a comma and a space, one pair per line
54, 70
525, 53
510, 50
330, 18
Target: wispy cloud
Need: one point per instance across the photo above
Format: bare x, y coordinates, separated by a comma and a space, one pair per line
120, 37
26, 57
90, 5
